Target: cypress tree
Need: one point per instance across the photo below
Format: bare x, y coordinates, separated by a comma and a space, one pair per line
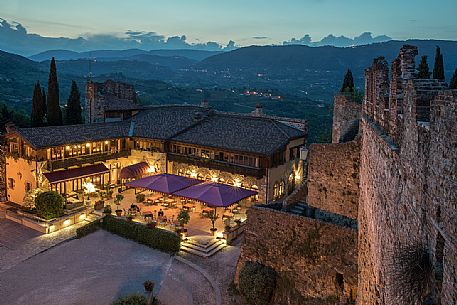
73, 108
37, 116
423, 69
438, 68
348, 82
453, 83
54, 111
44, 105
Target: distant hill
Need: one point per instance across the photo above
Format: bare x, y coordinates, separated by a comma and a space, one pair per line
194, 55
296, 58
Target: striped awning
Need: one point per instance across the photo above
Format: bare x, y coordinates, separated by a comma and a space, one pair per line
134, 171
75, 173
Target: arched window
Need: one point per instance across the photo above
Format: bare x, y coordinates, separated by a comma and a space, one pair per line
281, 188
276, 190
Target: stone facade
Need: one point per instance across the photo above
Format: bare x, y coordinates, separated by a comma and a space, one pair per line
98, 93
346, 118
333, 177
315, 260
407, 187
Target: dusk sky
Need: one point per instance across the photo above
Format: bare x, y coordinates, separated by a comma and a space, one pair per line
244, 21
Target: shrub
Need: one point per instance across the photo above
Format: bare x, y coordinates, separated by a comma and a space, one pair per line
87, 229
140, 198
257, 283
152, 237
148, 286
183, 217
49, 204
132, 299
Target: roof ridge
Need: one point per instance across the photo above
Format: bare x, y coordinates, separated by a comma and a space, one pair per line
276, 123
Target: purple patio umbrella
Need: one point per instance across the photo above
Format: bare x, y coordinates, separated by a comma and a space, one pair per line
163, 183
215, 194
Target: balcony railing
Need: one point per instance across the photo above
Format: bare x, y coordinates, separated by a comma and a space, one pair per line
218, 165
79, 160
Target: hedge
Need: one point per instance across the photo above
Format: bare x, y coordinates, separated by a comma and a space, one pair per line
87, 229
153, 237
49, 205
133, 299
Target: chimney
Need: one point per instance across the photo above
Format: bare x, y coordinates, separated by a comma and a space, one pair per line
204, 103
258, 110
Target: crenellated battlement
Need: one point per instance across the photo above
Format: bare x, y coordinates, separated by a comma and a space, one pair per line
391, 98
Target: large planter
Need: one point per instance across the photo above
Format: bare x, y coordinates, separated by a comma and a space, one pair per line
99, 205
152, 224
119, 213
213, 231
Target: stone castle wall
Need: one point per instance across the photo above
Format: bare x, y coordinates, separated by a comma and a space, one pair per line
407, 180
306, 253
333, 177
346, 117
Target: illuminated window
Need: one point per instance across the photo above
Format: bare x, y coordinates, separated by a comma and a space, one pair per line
10, 183
28, 187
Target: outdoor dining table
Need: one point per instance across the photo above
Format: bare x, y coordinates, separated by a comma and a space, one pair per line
228, 215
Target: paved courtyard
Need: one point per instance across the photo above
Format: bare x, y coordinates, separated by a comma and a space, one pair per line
99, 268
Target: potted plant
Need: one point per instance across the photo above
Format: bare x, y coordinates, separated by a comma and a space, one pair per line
140, 198
117, 201
129, 217
109, 192
183, 219
213, 217
107, 210
99, 205
238, 221
149, 289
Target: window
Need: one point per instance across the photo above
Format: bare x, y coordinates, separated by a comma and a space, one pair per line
28, 187
10, 183
276, 190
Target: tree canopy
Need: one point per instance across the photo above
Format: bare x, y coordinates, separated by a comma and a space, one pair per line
73, 108
423, 70
438, 69
54, 111
453, 82
38, 113
348, 83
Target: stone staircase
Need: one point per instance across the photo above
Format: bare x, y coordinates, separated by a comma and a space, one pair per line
203, 246
299, 208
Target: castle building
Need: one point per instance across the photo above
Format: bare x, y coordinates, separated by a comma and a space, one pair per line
376, 219
110, 101
253, 152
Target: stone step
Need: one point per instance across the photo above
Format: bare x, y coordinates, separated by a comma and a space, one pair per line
197, 243
203, 254
297, 211
202, 248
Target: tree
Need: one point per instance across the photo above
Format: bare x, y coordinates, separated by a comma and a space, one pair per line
257, 283
183, 217
453, 83
423, 72
54, 111
212, 215
348, 83
438, 69
49, 204
73, 109
37, 116
44, 105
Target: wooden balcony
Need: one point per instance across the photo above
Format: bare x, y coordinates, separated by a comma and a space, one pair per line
218, 165
85, 159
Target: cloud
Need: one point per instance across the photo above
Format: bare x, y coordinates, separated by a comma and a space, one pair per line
15, 38
339, 41
260, 37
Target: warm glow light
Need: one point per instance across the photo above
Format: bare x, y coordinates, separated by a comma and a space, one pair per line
82, 216
67, 148
152, 169
214, 178
87, 144
193, 174
237, 183
106, 142
89, 187
67, 222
